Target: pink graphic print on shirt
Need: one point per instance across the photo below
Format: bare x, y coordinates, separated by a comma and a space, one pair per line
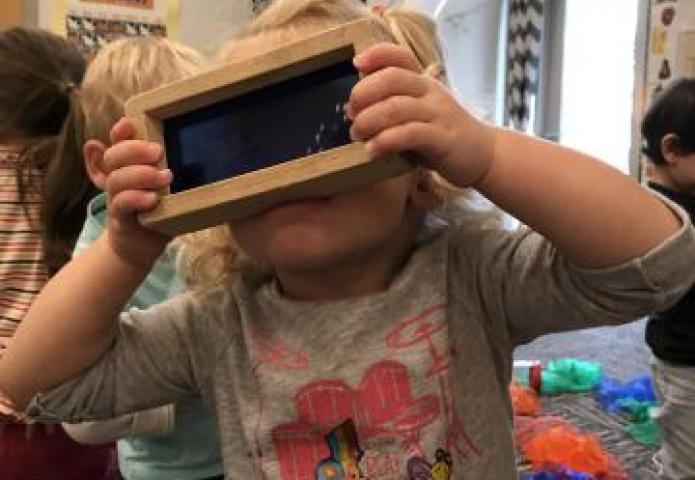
346, 455
382, 406
388, 417
422, 329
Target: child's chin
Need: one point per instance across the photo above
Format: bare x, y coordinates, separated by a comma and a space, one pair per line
305, 256
303, 260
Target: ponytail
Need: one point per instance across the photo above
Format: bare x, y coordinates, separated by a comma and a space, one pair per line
67, 189
38, 74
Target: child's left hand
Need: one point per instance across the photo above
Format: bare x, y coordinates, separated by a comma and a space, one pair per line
398, 108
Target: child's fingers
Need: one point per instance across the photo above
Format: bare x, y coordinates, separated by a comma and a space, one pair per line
129, 202
7, 409
383, 84
384, 55
419, 137
124, 129
394, 111
132, 152
137, 177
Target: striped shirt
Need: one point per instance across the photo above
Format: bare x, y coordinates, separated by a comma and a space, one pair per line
22, 271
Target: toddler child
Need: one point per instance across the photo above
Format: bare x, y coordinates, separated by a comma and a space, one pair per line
366, 334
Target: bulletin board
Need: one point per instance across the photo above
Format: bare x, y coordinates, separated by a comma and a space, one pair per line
665, 51
671, 22
91, 24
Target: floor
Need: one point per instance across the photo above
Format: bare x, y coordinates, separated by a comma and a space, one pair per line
621, 349
623, 353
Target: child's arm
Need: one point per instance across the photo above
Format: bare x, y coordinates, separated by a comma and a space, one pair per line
526, 287
160, 285
72, 322
161, 355
596, 216
155, 422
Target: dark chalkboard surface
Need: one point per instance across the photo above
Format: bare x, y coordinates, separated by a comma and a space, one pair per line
272, 125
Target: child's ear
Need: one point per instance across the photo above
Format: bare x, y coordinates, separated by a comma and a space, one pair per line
422, 193
669, 148
93, 151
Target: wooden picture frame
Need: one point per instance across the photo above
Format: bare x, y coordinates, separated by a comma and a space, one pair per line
318, 173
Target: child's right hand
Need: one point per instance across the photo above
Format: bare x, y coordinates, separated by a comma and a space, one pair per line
132, 182
396, 107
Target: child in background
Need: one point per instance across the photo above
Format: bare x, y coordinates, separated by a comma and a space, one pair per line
668, 130
367, 334
174, 441
38, 74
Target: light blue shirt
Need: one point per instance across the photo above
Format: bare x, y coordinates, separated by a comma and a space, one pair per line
192, 450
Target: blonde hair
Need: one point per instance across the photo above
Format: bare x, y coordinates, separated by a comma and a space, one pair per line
126, 67
212, 257
119, 71
406, 27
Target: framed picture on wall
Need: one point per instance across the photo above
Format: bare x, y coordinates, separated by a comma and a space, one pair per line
91, 24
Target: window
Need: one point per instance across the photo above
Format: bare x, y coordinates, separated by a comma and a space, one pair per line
598, 78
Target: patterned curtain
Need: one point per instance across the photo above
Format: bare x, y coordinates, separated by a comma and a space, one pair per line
525, 29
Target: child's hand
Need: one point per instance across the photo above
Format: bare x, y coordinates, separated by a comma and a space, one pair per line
398, 108
133, 179
7, 411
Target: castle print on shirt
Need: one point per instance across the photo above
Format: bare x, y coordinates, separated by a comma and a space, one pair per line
379, 428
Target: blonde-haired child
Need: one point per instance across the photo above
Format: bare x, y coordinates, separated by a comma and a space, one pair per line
125, 67
371, 334
174, 441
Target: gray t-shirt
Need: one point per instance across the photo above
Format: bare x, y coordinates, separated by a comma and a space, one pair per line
410, 383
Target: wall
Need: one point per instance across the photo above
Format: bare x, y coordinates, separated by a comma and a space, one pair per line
639, 91
204, 23
598, 78
207, 23
11, 13
470, 32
